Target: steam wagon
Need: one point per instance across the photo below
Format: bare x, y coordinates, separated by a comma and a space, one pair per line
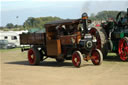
113, 35
63, 40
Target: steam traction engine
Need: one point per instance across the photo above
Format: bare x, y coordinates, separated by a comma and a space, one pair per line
63, 40
113, 35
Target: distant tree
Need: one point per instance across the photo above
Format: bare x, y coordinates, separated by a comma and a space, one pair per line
1, 28
32, 22
9, 25
17, 26
92, 16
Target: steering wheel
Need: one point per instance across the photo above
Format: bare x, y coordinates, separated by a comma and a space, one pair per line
119, 16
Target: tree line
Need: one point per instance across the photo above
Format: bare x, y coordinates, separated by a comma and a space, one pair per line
39, 22
104, 15
32, 22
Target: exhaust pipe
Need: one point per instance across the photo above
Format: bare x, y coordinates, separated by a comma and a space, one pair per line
84, 20
127, 11
127, 14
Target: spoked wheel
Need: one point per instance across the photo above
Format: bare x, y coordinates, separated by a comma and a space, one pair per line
97, 57
101, 38
42, 55
77, 58
33, 56
119, 16
123, 48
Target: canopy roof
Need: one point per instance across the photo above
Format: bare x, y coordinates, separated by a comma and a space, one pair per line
63, 22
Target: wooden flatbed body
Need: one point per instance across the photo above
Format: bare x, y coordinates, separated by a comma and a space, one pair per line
32, 39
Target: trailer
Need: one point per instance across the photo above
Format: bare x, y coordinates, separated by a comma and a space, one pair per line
63, 40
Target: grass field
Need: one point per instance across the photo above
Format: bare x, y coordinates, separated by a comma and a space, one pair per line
16, 70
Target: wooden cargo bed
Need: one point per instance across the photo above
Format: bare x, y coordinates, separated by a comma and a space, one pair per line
32, 38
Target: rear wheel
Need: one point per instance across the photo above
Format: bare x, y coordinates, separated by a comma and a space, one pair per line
34, 56
97, 57
77, 58
123, 48
101, 38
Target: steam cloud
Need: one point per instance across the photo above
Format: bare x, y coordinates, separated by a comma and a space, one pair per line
97, 6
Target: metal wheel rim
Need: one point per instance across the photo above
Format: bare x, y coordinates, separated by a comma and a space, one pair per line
31, 56
95, 57
123, 49
76, 59
95, 33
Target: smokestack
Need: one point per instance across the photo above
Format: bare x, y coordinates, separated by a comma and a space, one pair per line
84, 20
127, 11
127, 14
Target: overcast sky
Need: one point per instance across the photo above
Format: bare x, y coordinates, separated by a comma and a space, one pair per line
60, 8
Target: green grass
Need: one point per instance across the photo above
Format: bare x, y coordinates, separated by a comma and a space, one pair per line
13, 49
111, 54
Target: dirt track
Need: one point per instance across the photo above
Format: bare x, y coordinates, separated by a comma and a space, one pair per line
16, 71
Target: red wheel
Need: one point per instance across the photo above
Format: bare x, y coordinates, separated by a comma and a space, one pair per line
33, 56
123, 48
77, 58
97, 57
95, 33
101, 38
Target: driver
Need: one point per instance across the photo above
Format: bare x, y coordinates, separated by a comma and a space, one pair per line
61, 29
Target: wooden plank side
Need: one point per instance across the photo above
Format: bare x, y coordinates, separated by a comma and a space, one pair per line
53, 47
68, 39
23, 39
32, 38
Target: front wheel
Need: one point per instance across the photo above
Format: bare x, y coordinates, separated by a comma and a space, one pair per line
77, 59
97, 57
123, 48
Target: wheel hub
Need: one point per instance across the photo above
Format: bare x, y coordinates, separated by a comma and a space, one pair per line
31, 56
